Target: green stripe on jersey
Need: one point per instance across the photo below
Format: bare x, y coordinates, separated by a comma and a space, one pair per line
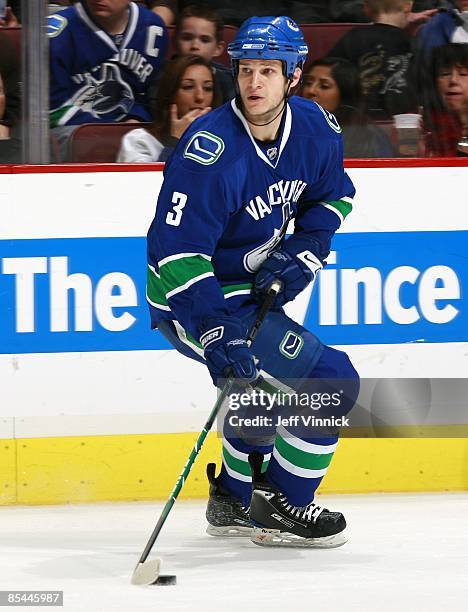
343, 207
227, 289
154, 288
56, 115
176, 273
308, 461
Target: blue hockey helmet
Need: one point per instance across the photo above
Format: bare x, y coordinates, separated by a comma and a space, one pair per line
273, 38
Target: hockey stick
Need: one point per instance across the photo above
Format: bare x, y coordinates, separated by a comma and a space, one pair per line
146, 573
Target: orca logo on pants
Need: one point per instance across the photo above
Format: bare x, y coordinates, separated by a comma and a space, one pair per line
291, 345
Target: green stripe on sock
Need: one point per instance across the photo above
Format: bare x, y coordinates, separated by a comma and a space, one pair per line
344, 207
238, 465
174, 274
309, 461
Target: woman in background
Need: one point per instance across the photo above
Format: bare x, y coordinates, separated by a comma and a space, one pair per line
334, 84
187, 90
446, 102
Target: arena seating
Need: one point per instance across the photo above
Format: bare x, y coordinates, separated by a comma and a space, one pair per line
15, 35
319, 36
99, 143
96, 143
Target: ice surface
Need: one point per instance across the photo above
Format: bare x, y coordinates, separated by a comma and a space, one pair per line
405, 552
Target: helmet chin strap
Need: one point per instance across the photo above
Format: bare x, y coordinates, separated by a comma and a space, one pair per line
284, 102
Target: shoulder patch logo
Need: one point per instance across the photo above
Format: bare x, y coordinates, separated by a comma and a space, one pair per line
55, 25
331, 120
204, 148
291, 345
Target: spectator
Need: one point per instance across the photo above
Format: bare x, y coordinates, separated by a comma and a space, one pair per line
166, 9
383, 55
450, 25
10, 104
234, 12
10, 71
446, 105
187, 90
10, 20
353, 11
334, 84
199, 31
104, 58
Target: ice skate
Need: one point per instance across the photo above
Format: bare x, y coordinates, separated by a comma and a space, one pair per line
277, 523
226, 516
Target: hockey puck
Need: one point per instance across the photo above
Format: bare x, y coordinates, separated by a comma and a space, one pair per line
166, 579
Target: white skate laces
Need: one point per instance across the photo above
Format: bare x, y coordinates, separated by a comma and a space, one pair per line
309, 513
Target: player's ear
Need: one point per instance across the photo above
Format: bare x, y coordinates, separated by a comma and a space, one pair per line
220, 48
296, 78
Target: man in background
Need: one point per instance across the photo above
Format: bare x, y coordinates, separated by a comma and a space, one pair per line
105, 56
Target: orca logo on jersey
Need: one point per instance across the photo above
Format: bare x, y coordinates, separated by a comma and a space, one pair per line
55, 25
331, 120
204, 148
106, 97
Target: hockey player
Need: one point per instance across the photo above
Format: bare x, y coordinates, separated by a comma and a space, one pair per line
104, 57
236, 179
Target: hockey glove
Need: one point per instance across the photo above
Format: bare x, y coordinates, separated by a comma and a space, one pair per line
294, 271
226, 350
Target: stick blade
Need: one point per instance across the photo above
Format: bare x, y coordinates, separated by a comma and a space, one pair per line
146, 573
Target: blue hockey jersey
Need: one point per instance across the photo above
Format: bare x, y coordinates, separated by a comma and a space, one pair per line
95, 77
225, 205
448, 26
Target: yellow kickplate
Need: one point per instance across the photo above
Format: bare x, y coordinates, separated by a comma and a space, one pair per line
7, 472
118, 467
144, 467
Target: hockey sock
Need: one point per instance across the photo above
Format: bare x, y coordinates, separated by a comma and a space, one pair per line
235, 474
298, 465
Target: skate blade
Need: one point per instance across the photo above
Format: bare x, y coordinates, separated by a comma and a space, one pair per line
275, 537
229, 532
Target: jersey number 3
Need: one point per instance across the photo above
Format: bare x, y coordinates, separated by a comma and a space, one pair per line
174, 216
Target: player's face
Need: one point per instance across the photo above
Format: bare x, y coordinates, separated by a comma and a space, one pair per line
195, 90
452, 84
262, 87
107, 8
198, 37
320, 86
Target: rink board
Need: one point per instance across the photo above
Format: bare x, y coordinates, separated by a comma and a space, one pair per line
93, 404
